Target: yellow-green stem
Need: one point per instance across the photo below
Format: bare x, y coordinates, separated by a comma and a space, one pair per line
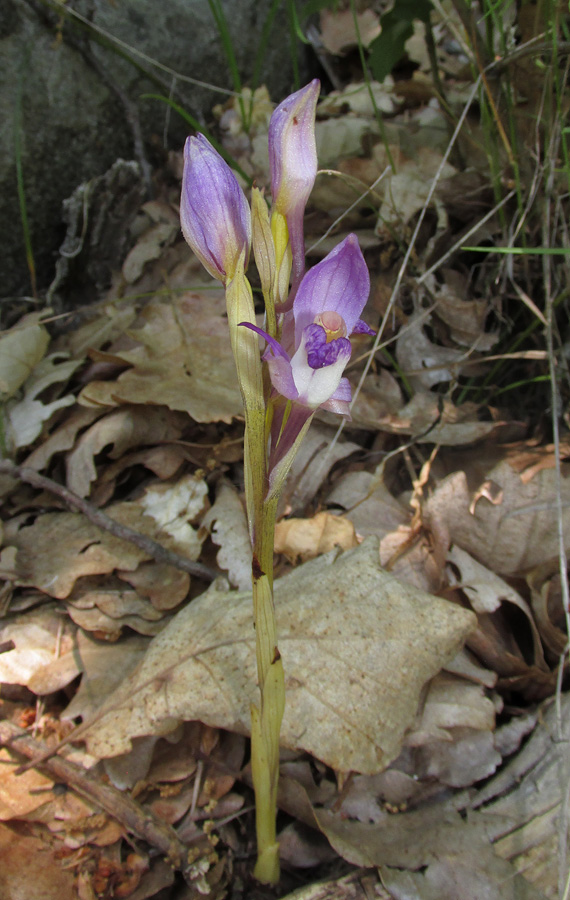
265, 718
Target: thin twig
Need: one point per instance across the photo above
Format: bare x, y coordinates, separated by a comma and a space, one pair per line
139, 821
102, 520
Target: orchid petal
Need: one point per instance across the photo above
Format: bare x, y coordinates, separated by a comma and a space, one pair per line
339, 283
340, 401
274, 345
214, 213
278, 363
361, 327
292, 148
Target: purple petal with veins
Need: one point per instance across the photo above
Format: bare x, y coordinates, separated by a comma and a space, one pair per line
214, 213
339, 283
274, 345
293, 165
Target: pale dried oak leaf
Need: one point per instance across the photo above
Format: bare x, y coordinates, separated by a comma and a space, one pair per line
357, 645
182, 360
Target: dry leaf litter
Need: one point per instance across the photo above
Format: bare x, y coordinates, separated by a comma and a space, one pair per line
420, 618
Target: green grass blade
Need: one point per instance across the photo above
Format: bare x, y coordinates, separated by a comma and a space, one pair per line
18, 131
217, 11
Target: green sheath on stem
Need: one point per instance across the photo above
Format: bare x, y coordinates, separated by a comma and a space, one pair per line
265, 719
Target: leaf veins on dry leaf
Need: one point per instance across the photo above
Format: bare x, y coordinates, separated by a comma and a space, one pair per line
358, 647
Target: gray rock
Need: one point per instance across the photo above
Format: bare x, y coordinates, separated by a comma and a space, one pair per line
71, 102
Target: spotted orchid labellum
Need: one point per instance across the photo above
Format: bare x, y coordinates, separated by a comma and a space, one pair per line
214, 213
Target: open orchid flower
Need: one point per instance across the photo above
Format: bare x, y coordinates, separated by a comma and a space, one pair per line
293, 165
214, 213
307, 366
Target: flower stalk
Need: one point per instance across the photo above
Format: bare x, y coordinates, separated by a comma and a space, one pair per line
309, 319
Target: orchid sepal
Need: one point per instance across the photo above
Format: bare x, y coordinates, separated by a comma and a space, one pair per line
264, 252
214, 213
293, 166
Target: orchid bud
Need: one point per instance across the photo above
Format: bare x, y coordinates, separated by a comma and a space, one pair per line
214, 213
293, 165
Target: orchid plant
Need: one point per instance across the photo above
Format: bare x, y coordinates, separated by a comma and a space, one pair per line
309, 319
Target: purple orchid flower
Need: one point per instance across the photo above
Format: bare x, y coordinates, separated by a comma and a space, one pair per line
214, 213
307, 366
293, 165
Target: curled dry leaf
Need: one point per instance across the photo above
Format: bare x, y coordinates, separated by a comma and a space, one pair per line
150, 246
227, 524
20, 794
357, 645
486, 591
62, 438
379, 397
406, 192
314, 460
104, 667
107, 618
164, 461
423, 362
451, 703
30, 868
369, 505
26, 418
21, 349
339, 34
39, 637
163, 585
306, 538
464, 317
121, 430
173, 506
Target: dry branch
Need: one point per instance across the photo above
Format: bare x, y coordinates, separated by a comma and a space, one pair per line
141, 822
102, 520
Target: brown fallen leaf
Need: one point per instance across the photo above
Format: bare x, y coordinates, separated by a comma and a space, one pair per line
122, 430
306, 538
20, 794
21, 349
38, 637
28, 868
58, 548
338, 32
357, 645
508, 537
182, 360
486, 592
368, 503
